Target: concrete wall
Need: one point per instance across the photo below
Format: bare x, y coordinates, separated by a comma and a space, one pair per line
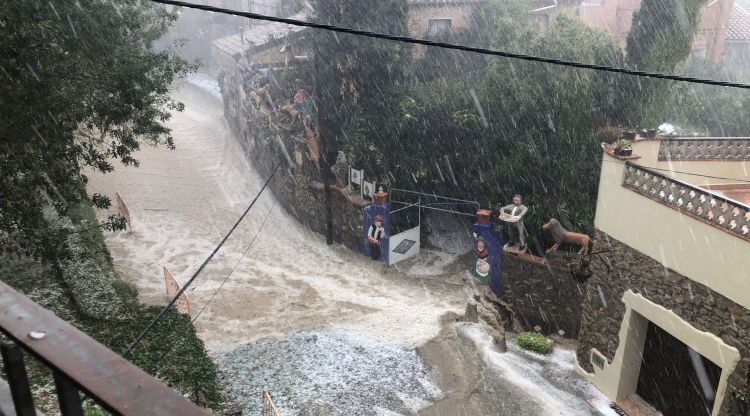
697, 250
626, 291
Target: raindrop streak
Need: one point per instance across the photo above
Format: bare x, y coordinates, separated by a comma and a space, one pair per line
440, 172
700, 370
52, 6
450, 169
601, 295
479, 109
70, 22
33, 73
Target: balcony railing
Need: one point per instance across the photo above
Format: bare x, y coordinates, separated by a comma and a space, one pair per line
721, 212
78, 364
705, 148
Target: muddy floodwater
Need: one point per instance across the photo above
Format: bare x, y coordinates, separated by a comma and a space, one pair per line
324, 328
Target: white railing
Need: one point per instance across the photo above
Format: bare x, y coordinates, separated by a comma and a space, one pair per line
706, 206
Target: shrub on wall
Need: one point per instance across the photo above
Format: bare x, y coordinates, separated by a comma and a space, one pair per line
534, 342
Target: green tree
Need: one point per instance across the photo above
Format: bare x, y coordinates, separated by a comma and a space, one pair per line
537, 137
81, 87
358, 80
717, 111
660, 40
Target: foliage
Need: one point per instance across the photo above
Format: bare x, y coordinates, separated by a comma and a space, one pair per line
660, 40
534, 342
622, 145
473, 127
608, 134
580, 269
539, 140
357, 78
709, 110
85, 87
88, 294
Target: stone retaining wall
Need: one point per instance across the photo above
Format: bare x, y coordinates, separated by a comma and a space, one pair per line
296, 186
701, 307
542, 295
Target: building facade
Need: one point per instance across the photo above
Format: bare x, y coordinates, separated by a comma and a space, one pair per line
616, 16
666, 314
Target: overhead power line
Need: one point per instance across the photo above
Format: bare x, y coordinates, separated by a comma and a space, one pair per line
484, 51
257, 233
672, 171
200, 269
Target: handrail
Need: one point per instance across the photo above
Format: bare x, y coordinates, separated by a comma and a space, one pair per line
704, 205
79, 363
704, 148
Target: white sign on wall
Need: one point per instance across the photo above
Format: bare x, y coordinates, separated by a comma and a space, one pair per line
355, 176
403, 245
368, 190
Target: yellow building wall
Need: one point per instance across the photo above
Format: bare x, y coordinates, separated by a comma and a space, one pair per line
692, 248
619, 378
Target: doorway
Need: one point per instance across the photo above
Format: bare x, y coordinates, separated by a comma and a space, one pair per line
674, 378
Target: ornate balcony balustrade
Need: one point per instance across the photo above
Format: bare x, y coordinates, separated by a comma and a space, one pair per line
705, 148
706, 206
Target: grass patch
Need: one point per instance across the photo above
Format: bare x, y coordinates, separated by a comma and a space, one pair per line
534, 342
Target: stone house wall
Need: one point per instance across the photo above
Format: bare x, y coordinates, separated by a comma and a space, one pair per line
542, 295
420, 15
698, 305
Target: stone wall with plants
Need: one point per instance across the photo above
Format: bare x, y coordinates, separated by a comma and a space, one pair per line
269, 137
701, 307
542, 294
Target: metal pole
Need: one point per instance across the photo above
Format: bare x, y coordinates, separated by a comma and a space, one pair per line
67, 395
18, 380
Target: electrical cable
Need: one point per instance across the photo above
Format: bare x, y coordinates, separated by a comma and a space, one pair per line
683, 173
238, 261
200, 269
257, 233
484, 51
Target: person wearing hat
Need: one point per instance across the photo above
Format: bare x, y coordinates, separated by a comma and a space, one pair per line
374, 235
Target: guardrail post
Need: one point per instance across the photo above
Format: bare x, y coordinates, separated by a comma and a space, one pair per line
18, 380
67, 396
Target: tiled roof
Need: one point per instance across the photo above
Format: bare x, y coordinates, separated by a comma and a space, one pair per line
739, 25
258, 36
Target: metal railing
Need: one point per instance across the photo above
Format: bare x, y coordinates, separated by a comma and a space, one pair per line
709, 207
78, 364
705, 148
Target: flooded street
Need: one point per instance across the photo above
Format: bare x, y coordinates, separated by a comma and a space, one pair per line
302, 318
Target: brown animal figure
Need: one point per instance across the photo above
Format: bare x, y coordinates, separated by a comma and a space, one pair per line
560, 235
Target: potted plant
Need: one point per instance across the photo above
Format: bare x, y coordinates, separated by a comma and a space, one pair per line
580, 270
740, 404
651, 133
623, 148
